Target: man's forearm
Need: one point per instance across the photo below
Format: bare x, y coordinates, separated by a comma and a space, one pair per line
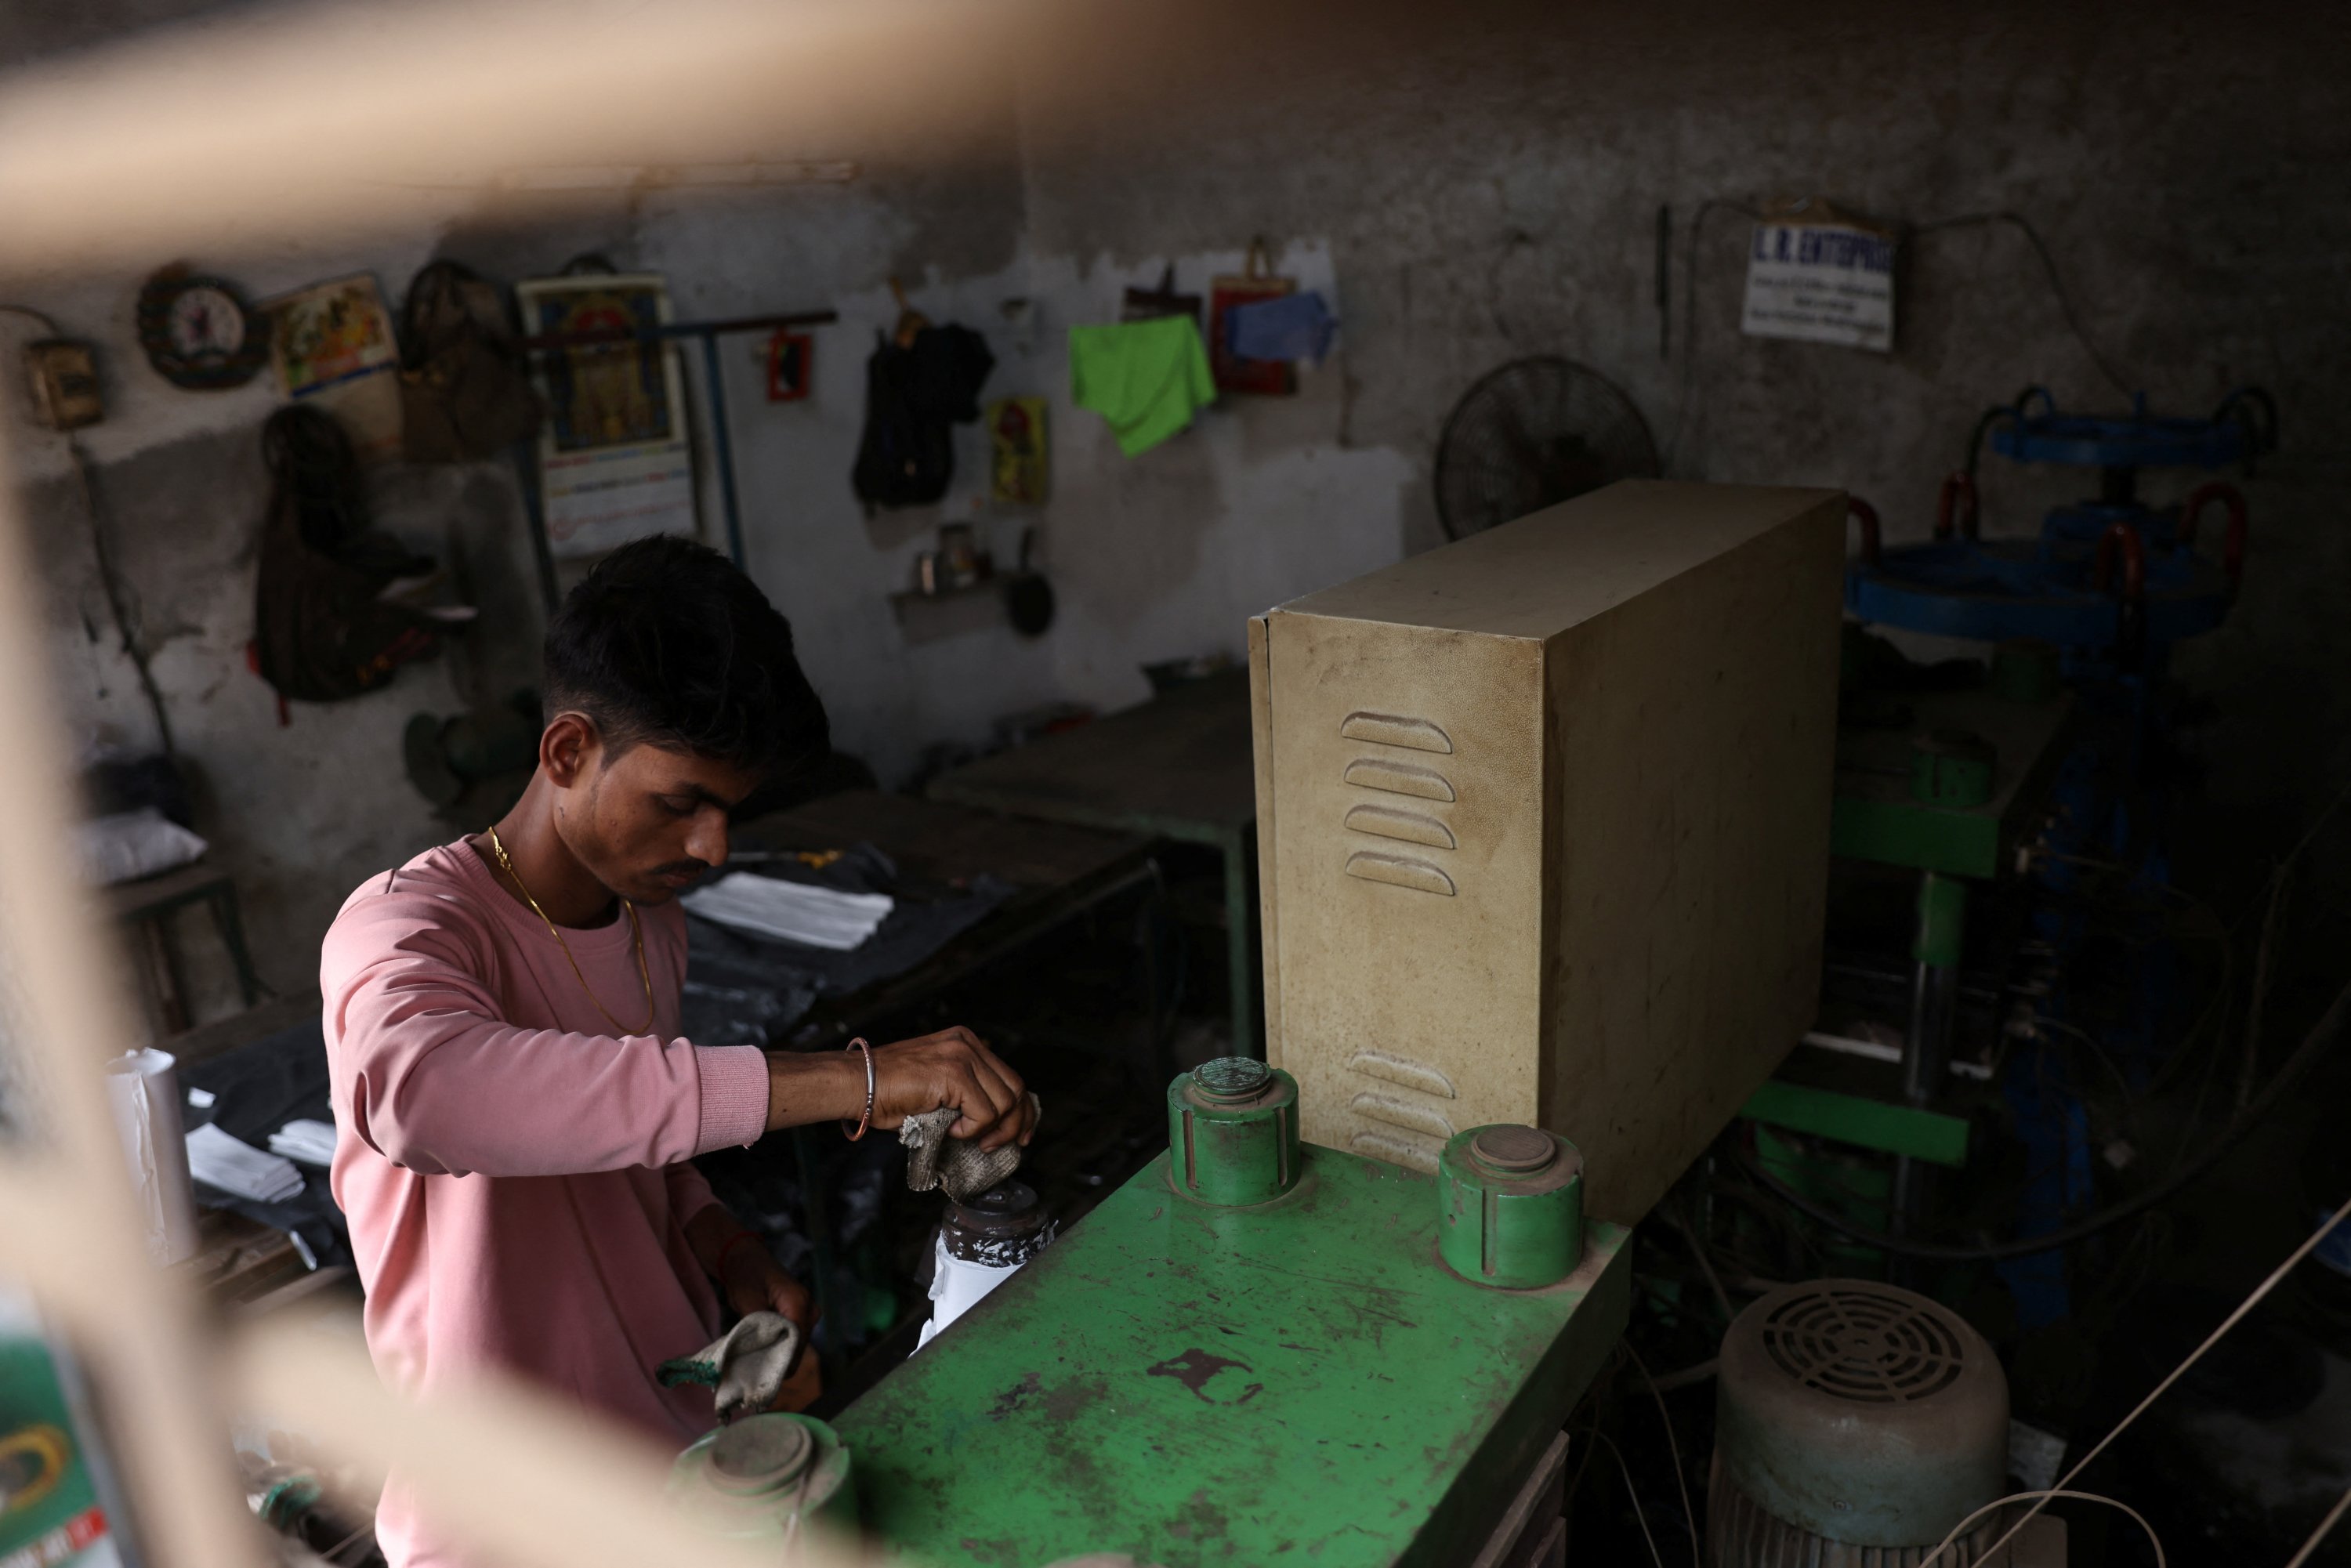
710, 1233
804, 1088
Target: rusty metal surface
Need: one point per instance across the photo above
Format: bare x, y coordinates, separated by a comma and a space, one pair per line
1298, 1381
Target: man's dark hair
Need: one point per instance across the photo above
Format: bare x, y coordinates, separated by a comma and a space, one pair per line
667, 642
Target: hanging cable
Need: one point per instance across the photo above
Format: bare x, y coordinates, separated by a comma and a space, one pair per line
1689, 313
1675, 1217
2024, 225
2313, 1045
2333, 1516
2153, 1538
48, 323
1673, 1447
1626, 1472
118, 600
2260, 1292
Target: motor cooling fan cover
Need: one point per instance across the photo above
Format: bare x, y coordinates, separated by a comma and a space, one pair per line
1858, 1413
1534, 434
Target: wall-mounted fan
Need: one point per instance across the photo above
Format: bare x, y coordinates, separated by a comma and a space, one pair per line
1531, 434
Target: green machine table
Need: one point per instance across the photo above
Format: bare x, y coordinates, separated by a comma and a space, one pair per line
1297, 1381
1891, 808
1879, 817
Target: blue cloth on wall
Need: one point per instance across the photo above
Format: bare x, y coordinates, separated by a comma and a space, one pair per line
1292, 326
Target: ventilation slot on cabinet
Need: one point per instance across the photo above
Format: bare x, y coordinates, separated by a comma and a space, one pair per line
1411, 827
1388, 730
1398, 1069
1398, 1113
1399, 778
1399, 871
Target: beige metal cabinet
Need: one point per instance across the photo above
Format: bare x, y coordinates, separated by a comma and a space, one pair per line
1543, 826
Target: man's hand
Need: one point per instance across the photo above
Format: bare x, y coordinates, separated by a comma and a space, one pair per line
732, 1253
754, 1282
953, 1067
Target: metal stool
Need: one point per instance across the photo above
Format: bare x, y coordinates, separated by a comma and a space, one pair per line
144, 908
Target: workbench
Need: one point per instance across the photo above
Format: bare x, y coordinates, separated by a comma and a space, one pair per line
1301, 1380
1061, 872
1178, 766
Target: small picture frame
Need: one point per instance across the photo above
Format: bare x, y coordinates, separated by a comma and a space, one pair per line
790, 356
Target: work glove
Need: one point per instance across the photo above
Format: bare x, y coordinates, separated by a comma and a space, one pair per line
958, 1166
746, 1365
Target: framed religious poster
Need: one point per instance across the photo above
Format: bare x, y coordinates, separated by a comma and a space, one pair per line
333, 347
615, 459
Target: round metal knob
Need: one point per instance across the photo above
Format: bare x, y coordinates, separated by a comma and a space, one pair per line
1229, 1079
1512, 1148
757, 1455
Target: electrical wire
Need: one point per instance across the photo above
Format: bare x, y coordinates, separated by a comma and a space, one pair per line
2313, 1045
1626, 1472
48, 323
117, 601
1690, 314
2044, 1497
2333, 1515
2261, 1292
1680, 1222
2022, 224
2072, 318
1689, 1514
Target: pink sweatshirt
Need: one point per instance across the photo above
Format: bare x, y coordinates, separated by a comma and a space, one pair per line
514, 1177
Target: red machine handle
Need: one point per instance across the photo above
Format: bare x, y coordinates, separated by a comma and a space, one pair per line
2124, 538
2233, 547
1871, 539
1957, 486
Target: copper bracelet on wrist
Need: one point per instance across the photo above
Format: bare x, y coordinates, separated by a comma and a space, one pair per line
866, 1119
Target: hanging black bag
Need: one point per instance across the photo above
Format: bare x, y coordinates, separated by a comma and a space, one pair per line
319, 631
915, 389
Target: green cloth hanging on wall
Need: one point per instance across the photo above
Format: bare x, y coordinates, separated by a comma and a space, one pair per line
1146, 378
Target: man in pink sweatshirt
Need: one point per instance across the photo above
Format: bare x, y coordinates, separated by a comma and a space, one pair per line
516, 1111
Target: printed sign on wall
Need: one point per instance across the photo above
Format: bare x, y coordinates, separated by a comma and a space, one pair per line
1821, 283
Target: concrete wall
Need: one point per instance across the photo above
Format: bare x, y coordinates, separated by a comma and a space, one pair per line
1474, 191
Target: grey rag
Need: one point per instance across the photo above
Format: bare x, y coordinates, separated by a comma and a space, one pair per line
958, 1166
746, 1365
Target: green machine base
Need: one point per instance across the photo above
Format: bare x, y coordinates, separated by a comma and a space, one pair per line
1299, 1381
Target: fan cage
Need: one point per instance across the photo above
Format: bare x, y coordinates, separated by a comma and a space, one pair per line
1531, 434
1864, 1346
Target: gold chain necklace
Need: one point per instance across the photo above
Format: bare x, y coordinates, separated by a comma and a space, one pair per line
636, 933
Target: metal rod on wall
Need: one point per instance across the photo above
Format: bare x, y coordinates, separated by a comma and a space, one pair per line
723, 447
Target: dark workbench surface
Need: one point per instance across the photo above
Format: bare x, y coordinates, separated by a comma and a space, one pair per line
1178, 766
933, 842
1060, 870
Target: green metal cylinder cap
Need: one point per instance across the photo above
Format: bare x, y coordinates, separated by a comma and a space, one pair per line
1232, 1132
1510, 1208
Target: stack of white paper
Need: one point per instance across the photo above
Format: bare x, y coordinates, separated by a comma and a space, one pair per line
310, 1142
218, 1160
791, 911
